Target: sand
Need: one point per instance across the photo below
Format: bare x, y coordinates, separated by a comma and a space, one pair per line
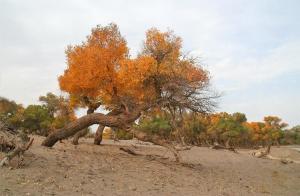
87, 169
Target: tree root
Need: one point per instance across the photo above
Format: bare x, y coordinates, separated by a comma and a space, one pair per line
163, 160
128, 150
217, 146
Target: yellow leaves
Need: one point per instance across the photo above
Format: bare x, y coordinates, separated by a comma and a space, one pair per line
92, 65
162, 46
131, 76
268, 130
100, 67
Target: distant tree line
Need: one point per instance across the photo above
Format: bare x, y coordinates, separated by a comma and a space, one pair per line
230, 130
54, 112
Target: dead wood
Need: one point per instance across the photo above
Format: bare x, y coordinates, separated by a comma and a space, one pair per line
261, 154
13, 143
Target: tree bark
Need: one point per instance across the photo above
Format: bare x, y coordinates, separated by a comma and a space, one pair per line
78, 135
83, 132
98, 135
121, 120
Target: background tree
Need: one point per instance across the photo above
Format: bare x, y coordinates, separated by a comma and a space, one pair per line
37, 120
274, 128
291, 136
59, 108
228, 129
11, 113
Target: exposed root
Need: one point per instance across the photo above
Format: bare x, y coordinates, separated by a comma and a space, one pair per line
165, 161
266, 154
128, 150
217, 146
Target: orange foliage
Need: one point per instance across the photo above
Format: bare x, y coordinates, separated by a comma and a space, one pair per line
92, 66
101, 69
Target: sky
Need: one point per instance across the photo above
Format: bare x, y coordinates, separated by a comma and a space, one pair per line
251, 48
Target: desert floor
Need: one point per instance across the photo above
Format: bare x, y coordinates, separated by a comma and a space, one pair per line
87, 169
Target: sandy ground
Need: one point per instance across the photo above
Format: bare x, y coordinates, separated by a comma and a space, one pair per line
87, 169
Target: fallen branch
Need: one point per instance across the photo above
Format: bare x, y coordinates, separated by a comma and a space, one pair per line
261, 154
217, 146
266, 154
14, 143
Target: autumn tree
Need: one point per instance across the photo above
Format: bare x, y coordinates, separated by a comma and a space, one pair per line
274, 128
11, 112
268, 132
59, 108
161, 76
91, 77
227, 129
194, 128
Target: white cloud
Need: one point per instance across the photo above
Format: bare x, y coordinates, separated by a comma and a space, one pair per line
251, 70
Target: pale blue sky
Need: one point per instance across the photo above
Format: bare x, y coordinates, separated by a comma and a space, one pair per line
251, 47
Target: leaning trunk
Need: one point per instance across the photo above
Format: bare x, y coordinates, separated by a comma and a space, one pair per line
121, 120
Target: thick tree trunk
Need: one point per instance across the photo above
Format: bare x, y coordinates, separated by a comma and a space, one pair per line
83, 132
121, 120
98, 135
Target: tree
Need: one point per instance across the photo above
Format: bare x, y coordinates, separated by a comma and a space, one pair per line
257, 135
292, 136
228, 129
267, 132
59, 108
155, 125
161, 76
37, 119
274, 128
11, 112
194, 129
92, 68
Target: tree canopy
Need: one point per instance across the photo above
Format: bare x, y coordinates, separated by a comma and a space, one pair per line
101, 69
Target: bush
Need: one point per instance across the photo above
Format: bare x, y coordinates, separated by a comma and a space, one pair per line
155, 125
